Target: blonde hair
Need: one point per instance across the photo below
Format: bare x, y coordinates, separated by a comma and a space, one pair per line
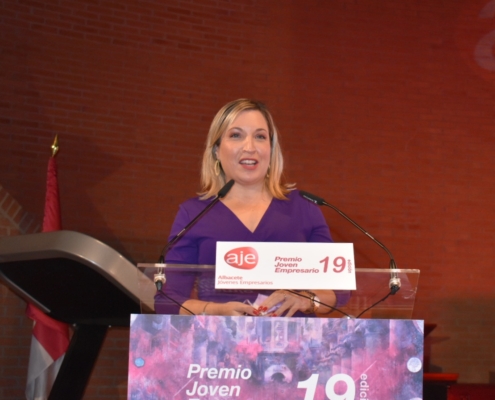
212, 183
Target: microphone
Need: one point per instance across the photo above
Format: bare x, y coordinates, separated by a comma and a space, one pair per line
159, 278
394, 283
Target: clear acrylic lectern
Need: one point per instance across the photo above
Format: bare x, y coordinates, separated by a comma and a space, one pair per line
372, 286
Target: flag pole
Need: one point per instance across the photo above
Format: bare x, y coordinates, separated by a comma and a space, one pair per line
50, 338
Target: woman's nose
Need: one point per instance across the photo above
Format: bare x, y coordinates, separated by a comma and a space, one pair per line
249, 144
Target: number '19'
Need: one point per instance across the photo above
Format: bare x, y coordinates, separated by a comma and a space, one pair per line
338, 262
311, 383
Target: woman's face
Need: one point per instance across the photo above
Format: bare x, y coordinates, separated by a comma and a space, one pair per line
245, 148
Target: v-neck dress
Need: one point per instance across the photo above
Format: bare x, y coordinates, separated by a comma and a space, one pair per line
292, 220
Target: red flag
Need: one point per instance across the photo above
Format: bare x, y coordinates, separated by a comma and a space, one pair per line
50, 337
52, 217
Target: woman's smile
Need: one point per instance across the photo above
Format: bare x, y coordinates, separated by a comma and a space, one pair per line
245, 149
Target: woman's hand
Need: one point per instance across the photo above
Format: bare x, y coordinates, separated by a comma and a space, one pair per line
289, 304
199, 307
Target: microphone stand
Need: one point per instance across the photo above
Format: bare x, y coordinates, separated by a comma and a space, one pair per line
394, 282
159, 278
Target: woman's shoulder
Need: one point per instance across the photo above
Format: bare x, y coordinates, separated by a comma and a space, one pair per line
195, 204
298, 204
294, 198
293, 194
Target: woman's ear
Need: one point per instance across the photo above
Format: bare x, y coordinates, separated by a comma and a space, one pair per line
214, 150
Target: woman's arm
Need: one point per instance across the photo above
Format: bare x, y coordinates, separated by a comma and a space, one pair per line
200, 307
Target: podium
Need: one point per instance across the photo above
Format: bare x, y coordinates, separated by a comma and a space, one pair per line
203, 356
74, 279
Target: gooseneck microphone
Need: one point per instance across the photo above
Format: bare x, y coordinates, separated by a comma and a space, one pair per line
394, 283
159, 278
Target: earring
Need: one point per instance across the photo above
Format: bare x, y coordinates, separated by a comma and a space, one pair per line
217, 167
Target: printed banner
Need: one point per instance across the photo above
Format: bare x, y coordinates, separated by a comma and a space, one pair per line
262, 358
262, 265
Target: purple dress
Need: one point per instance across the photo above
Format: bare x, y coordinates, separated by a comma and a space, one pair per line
292, 220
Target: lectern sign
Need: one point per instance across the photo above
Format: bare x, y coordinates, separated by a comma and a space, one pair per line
261, 265
266, 358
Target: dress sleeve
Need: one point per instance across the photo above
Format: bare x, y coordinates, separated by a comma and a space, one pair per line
185, 251
320, 231
178, 285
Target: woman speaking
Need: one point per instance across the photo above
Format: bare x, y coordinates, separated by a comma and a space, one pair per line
243, 145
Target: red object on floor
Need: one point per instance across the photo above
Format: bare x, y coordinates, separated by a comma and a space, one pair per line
471, 391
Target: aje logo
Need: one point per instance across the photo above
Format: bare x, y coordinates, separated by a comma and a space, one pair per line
242, 258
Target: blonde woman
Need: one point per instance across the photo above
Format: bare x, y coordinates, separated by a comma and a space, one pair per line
243, 145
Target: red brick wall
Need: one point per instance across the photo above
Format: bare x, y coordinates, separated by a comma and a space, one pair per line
15, 328
386, 109
15, 334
